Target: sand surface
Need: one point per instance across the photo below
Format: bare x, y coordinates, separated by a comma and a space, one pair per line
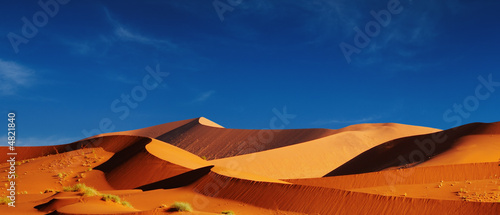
361, 169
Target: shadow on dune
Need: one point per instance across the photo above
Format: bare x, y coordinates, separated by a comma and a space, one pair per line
181, 180
410, 151
123, 155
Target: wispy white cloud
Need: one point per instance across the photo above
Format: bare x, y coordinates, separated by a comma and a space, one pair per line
126, 35
203, 96
410, 34
91, 46
322, 20
331, 19
123, 79
83, 47
343, 121
119, 33
13, 76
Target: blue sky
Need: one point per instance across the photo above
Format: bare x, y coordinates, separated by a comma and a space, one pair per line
68, 67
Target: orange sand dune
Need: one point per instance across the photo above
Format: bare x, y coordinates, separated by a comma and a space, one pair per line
161, 159
417, 175
321, 200
469, 149
157, 130
96, 141
471, 143
201, 138
153, 154
55, 171
149, 172
106, 142
436, 182
317, 157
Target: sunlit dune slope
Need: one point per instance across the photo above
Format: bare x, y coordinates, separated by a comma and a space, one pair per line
203, 137
109, 142
471, 143
265, 171
317, 157
417, 175
321, 200
155, 131
102, 140
146, 161
217, 142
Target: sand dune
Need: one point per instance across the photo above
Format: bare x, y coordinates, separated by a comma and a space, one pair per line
201, 138
317, 157
157, 130
471, 143
321, 200
106, 141
417, 175
149, 160
144, 168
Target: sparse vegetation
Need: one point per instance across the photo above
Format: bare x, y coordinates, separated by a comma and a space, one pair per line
82, 188
4, 200
89, 191
109, 197
478, 197
181, 206
49, 191
126, 204
228, 212
81, 175
61, 175
204, 157
115, 198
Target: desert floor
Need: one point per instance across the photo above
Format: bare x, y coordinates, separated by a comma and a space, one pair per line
361, 169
